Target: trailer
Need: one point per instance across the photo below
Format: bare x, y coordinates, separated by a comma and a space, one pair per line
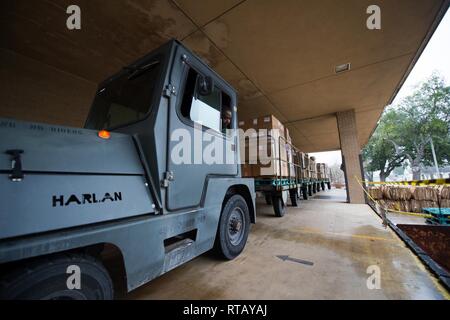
323, 176
278, 188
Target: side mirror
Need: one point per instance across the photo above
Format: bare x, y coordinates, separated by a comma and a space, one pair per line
204, 85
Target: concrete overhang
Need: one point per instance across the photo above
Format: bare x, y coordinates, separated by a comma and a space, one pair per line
279, 55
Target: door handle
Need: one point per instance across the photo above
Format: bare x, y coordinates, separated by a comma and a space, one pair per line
16, 165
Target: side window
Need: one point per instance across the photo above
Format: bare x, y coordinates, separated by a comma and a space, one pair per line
212, 111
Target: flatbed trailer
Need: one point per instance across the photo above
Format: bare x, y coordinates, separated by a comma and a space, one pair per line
277, 189
296, 183
317, 185
276, 192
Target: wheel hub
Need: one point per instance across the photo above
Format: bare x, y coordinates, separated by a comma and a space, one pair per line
236, 226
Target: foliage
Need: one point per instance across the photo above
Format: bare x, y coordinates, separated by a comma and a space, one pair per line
406, 131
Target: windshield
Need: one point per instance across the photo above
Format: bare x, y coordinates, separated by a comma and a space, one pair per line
125, 99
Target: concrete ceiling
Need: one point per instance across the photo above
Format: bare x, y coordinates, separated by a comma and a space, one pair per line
279, 55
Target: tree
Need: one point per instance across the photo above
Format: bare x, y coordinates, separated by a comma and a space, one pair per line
424, 118
336, 174
379, 153
405, 131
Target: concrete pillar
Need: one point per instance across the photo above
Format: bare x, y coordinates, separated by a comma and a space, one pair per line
350, 149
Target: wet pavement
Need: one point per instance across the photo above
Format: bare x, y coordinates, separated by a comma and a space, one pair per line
323, 249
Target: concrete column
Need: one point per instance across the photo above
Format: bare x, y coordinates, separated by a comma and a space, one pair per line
350, 149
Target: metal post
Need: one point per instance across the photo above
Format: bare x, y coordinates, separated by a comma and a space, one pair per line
434, 158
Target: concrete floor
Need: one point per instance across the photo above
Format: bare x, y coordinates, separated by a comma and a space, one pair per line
341, 240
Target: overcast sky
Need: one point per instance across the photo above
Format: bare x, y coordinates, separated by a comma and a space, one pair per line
436, 56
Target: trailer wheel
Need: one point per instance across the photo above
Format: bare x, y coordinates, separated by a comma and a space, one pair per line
50, 278
322, 184
329, 185
234, 226
305, 193
278, 206
294, 196
268, 198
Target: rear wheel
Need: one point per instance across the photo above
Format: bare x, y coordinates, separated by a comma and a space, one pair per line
278, 206
59, 277
268, 199
293, 195
305, 193
234, 226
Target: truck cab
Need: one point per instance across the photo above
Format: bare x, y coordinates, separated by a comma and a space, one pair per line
153, 177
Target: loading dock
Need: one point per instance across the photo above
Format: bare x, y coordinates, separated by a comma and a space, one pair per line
49, 74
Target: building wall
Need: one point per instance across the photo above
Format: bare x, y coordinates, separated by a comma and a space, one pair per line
33, 91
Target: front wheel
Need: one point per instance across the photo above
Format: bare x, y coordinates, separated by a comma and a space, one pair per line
60, 277
234, 226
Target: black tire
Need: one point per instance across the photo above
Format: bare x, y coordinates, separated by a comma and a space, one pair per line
314, 188
329, 185
278, 206
310, 192
294, 196
48, 278
268, 199
322, 184
234, 226
305, 193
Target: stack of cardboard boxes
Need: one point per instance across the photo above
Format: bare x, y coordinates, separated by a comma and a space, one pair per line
322, 171
267, 151
267, 148
312, 168
304, 158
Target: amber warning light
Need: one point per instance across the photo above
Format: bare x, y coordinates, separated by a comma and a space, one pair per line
104, 134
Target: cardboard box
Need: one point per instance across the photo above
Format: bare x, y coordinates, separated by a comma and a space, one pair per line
290, 159
304, 174
246, 170
267, 122
322, 171
312, 164
265, 157
270, 122
270, 161
287, 135
264, 149
303, 160
242, 124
